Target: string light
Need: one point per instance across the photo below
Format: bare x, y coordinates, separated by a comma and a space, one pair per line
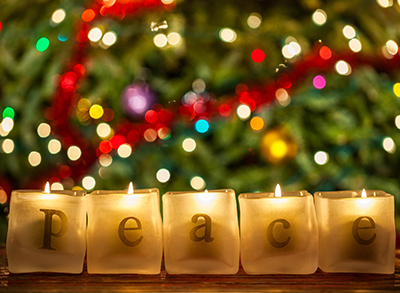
57, 186
95, 34
34, 158
257, 123
8, 146
197, 183
174, 38
160, 40
105, 160
257, 56
343, 68
74, 153
58, 16
42, 44
202, 126
349, 32
244, 112
103, 130
321, 157
8, 112
319, 82
124, 150
88, 182
319, 17
109, 39
189, 145
44, 130
392, 47
54, 146
396, 89
163, 175
355, 45
254, 20
227, 35
389, 145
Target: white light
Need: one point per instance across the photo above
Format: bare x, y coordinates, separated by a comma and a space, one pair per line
8, 146
58, 16
34, 158
342, 67
349, 32
109, 39
124, 150
105, 160
389, 145
103, 130
198, 86
160, 40
189, 145
54, 146
283, 97
385, 3
57, 186
167, 2
43, 130
296, 47
288, 52
319, 17
254, 20
321, 158
2, 131
174, 38
197, 183
244, 112
88, 182
392, 47
163, 175
95, 34
7, 124
355, 45
130, 188
227, 35
397, 120
74, 153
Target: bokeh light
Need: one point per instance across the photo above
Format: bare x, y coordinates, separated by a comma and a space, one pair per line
355, 45
150, 135
283, 97
342, 67
88, 15
389, 145
88, 182
257, 55
74, 153
319, 17
57, 186
7, 124
96, 111
198, 85
392, 47
54, 146
105, 160
385, 3
325, 53
137, 98
174, 38
163, 175
197, 183
291, 49
349, 32
34, 158
124, 150
58, 16
160, 40
321, 157
254, 20
397, 121
189, 145
8, 146
42, 44
396, 89
243, 112
109, 39
8, 112
227, 35
44, 130
202, 126
103, 130
95, 34
319, 82
257, 123
3, 196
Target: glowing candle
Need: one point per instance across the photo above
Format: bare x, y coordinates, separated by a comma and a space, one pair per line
124, 232
279, 233
46, 231
201, 234
356, 231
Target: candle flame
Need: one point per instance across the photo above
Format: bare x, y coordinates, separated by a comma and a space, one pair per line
363, 194
278, 192
130, 188
206, 191
47, 187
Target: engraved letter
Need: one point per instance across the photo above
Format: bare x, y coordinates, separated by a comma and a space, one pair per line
270, 233
356, 227
48, 223
121, 231
207, 229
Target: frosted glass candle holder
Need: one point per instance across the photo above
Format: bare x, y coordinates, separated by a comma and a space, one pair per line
124, 233
201, 233
356, 234
279, 235
47, 231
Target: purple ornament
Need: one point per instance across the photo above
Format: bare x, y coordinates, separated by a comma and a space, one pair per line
137, 98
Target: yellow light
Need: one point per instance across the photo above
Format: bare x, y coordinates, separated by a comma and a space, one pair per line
174, 38
109, 39
319, 17
227, 35
257, 123
105, 160
8, 146
278, 192
244, 112
150, 135
54, 146
389, 145
57, 186
189, 145
43, 130
279, 149
363, 193
197, 183
355, 45
74, 153
342, 67
88, 183
95, 34
205, 196
130, 188
34, 158
160, 40
163, 175
254, 20
349, 32
96, 111
58, 16
124, 150
321, 158
103, 130
396, 89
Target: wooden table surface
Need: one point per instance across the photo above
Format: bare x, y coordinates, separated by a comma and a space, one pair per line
241, 282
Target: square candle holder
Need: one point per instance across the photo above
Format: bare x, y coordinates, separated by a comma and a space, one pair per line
356, 233
47, 231
201, 233
278, 235
124, 234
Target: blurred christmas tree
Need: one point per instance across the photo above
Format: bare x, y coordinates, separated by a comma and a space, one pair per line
199, 94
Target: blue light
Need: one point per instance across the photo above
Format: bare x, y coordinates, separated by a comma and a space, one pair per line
62, 38
202, 126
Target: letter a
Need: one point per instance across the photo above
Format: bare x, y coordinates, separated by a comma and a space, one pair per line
48, 223
207, 229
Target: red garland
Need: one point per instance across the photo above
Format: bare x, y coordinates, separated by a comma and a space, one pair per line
163, 118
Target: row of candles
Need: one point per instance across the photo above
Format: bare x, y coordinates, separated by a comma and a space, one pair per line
123, 232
